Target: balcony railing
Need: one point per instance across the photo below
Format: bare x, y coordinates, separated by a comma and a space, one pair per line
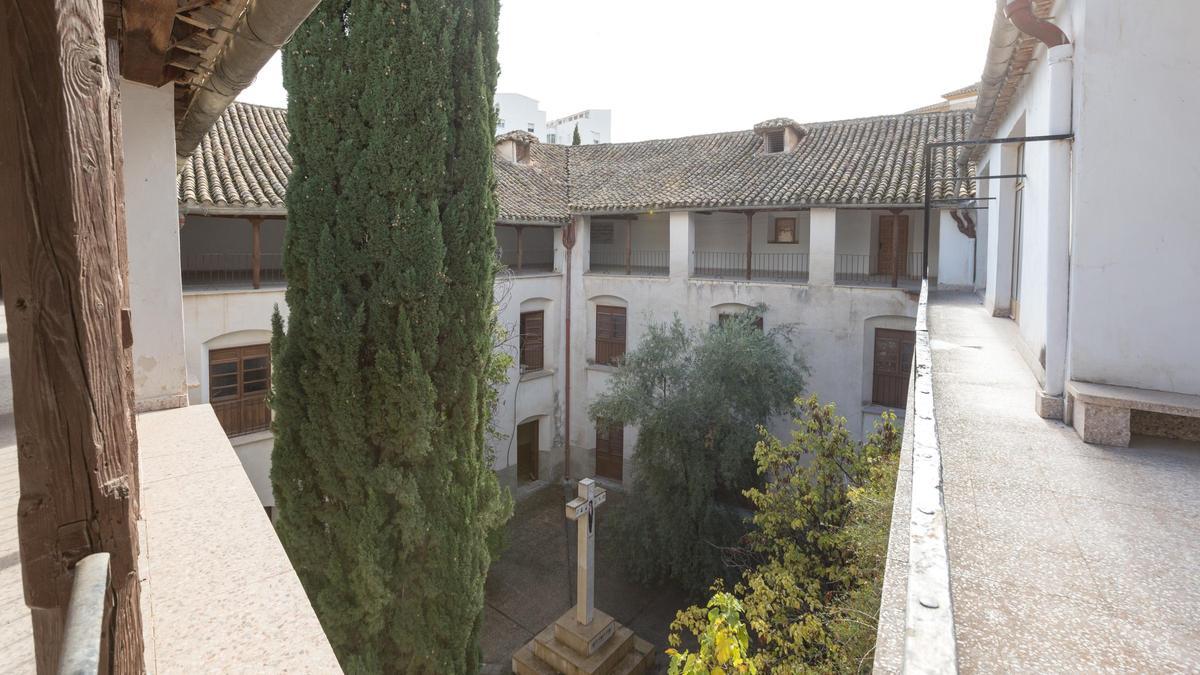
243, 416
850, 268
640, 262
763, 266
527, 260
230, 269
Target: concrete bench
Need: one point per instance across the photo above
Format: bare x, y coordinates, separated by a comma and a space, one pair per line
1100, 413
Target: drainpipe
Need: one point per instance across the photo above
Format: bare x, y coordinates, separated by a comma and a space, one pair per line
1058, 222
266, 26
1059, 55
568, 240
1020, 13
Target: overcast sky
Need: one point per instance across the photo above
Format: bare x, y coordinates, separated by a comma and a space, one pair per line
677, 67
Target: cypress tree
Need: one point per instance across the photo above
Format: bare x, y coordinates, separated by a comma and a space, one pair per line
380, 471
575, 140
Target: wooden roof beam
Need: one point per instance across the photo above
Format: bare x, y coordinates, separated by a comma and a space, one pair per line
146, 40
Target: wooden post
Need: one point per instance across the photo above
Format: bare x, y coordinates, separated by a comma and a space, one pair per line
749, 243
62, 250
628, 246
895, 248
256, 251
520, 248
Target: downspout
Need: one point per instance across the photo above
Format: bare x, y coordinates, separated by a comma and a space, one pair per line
1059, 53
1020, 13
265, 28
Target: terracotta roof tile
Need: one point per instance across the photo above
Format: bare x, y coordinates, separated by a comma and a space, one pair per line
876, 161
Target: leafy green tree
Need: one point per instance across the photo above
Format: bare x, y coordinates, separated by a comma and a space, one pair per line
386, 498
813, 569
723, 640
575, 140
697, 398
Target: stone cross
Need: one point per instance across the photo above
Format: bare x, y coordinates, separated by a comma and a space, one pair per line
582, 509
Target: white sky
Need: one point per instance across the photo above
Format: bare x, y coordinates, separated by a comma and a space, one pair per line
678, 67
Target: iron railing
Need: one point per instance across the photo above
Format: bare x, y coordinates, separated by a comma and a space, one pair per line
83, 629
641, 262
229, 269
852, 268
763, 266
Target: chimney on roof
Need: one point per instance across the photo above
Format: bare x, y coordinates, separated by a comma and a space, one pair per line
779, 135
514, 146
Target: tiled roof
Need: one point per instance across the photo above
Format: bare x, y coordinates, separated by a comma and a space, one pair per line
877, 161
969, 90
535, 192
242, 162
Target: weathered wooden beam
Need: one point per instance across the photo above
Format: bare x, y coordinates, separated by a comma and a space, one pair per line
146, 40
61, 252
256, 251
628, 246
749, 244
520, 248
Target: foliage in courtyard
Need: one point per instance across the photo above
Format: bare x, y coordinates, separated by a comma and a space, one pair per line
575, 139
697, 398
380, 470
724, 643
814, 562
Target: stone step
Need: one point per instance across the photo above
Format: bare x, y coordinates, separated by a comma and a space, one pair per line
525, 662
639, 660
568, 662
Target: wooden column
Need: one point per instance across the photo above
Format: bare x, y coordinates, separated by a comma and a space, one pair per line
895, 248
749, 243
628, 246
256, 251
520, 247
62, 251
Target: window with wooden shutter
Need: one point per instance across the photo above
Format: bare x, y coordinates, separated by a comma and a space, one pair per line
610, 334
783, 231
532, 341
893, 361
610, 449
239, 380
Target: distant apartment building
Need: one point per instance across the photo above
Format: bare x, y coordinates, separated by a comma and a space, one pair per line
595, 126
517, 112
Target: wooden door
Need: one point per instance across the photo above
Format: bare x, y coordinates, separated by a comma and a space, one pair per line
892, 363
610, 450
527, 451
887, 254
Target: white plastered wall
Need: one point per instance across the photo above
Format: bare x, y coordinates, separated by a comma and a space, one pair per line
152, 223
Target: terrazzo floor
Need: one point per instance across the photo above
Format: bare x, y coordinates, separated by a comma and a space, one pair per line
1064, 557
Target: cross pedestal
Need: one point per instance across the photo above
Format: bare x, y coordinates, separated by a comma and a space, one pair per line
584, 640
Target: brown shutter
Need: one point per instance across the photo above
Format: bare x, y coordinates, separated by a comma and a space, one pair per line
532, 340
784, 231
610, 334
893, 360
239, 380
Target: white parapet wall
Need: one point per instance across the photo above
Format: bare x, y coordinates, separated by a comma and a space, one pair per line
218, 591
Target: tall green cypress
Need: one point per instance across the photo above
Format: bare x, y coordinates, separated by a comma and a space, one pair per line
380, 470
575, 140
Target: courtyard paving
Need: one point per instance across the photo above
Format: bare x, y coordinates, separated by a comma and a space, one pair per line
1064, 557
527, 586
